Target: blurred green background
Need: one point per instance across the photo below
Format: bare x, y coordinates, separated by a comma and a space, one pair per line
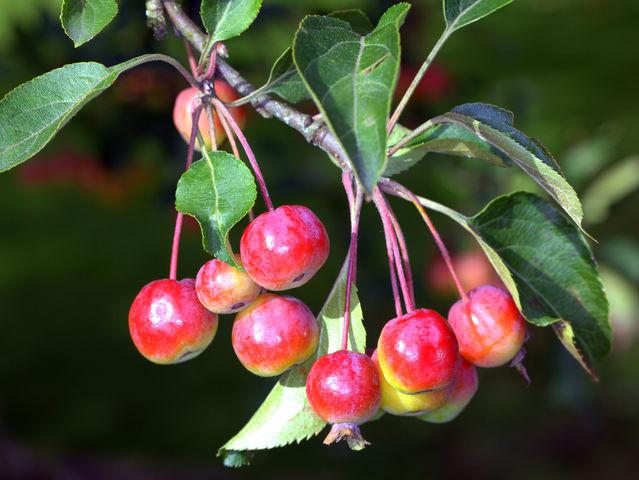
88, 221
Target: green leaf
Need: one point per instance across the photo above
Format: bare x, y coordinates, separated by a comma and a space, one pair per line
218, 191
283, 80
444, 139
546, 264
285, 416
459, 13
352, 78
493, 126
225, 19
32, 113
84, 19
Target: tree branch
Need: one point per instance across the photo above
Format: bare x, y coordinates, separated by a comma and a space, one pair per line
315, 132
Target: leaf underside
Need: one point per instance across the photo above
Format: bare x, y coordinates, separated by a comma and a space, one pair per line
84, 19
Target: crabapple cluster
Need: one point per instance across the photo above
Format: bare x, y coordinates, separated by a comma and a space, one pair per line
171, 321
424, 365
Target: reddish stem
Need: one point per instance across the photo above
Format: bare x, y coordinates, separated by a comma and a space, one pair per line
177, 232
210, 71
211, 122
380, 202
438, 240
234, 149
403, 250
219, 106
391, 260
191, 57
355, 205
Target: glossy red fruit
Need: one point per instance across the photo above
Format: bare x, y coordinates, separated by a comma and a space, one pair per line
167, 322
462, 391
223, 289
418, 352
490, 329
404, 404
183, 111
283, 248
343, 387
274, 333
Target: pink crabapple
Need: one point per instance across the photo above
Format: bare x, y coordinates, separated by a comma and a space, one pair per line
183, 111
167, 322
489, 328
343, 388
418, 352
224, 289
273, 334
283, 248
461, 392
398, 403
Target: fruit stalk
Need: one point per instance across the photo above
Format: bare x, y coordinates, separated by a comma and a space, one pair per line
355, 207
399, 188
177, 232
393, 250
221, 108
402, 249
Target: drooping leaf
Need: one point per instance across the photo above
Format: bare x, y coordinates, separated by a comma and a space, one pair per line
32, 113
225, 19
84, 19
218, 191
352, 78
445, 139
285, 416
493, 126
547, 265
459, 13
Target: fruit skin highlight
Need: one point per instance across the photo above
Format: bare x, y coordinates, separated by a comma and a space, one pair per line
183, 111
343, 388
462, 391
418, 352
167, 322
283, 248
223, 289
490, 329
273, 334
397, 403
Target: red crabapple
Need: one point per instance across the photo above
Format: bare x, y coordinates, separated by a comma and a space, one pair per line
461, 393
222, 288
283, 248
418, 352
183, 111
398, 403
343, 388
490, 329
273, 334
167, 322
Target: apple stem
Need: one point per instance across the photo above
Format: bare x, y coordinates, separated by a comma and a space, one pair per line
403, 250
221, 108
393, 250
234, 149
397, 187
177, 232
355, 207
210, 71
191, 57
